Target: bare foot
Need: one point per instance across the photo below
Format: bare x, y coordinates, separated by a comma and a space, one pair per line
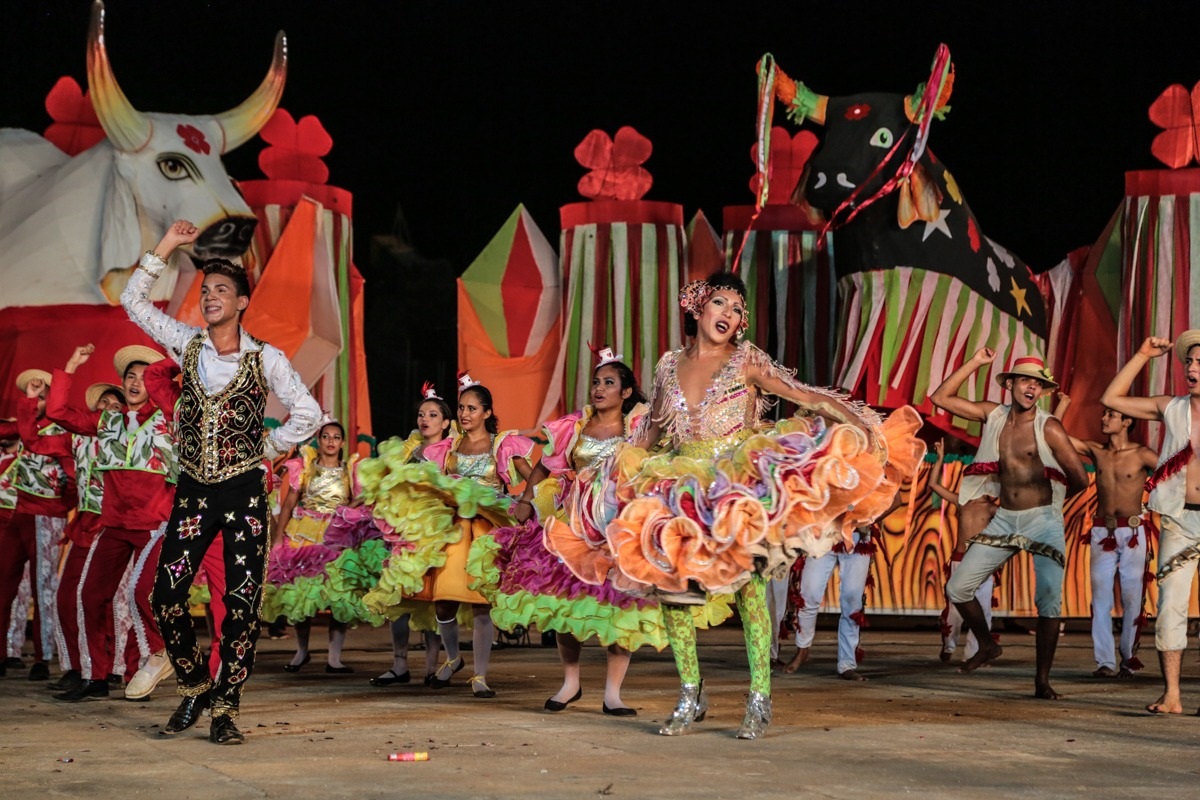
852, 675
1045, 692
1166, 705
798, 660
983, 656
1104, 672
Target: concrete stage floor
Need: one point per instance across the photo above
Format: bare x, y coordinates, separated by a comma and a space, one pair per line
917, 727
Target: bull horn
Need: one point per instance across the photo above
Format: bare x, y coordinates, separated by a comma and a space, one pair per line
127, 128
808, 105
240, 124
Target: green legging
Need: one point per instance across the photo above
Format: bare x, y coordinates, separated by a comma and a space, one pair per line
756, 625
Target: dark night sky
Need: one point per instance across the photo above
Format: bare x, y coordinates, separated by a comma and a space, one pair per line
459, 111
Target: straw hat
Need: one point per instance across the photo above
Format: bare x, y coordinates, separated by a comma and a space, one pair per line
94, 392
1029, 367
134, 352
32, 374
1186, 341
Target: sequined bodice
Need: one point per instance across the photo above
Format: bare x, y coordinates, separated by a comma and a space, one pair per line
480, 467
588, 451
327, 488
729, 405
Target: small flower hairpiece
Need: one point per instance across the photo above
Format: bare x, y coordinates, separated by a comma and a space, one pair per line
465, 381
429, 391
693, 296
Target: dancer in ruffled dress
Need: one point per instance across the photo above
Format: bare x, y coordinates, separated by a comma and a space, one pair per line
436, 509
730, 505
301, 577
433, 425
529, 586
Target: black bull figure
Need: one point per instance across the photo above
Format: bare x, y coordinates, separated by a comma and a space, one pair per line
921, 287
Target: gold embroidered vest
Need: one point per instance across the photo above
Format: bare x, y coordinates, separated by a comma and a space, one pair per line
221, 436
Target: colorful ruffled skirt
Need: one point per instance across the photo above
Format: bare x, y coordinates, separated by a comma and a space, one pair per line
717, 512
429, 521
529, 586
325, 564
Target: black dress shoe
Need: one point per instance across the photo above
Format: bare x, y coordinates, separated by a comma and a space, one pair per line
623, 711
448, 668
12, 662
390, 678
40, 671
342, 670
554, 705
86, 690
296, 667
224, 731
66, 682
429, 679
116, 681
186, 715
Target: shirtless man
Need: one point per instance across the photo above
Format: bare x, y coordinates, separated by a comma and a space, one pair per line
1174, 493
1025, 458
1118, 538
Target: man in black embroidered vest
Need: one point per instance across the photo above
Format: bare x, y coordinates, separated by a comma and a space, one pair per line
221, 443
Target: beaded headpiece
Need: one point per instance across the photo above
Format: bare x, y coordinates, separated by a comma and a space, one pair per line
465, 381
694, 296
429, 391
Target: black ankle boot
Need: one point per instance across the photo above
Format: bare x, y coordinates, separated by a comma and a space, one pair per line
187, 714
224, 731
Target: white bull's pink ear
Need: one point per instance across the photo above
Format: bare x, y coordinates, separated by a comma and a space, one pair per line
241, 123
127, 128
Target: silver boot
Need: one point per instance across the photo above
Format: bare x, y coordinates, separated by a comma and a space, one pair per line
692, 706
758, 716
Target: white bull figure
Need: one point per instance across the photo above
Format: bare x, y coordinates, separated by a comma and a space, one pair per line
72, 228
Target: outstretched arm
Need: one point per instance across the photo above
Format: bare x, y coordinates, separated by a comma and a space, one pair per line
935, 475
1065, 455
1116, 396
946, 396
167, 331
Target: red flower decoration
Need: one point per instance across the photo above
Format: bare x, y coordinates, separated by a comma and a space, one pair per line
858, 111
75, 127
785, 163
1177, 112
616, 173
193, 139
295, 148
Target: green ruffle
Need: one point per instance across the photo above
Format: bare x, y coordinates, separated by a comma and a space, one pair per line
423, 506
199, 594
339, 590
302, 599
582, 617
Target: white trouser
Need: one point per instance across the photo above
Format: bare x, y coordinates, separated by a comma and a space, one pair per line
1130, 564
777, 607
954, 620
1178, 548
854, 569
49, 548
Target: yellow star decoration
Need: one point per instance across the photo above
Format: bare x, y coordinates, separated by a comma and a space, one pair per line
1019, 295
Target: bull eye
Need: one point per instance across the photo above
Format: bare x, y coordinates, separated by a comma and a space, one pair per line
882, 138
175, 168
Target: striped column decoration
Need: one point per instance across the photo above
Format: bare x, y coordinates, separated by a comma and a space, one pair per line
623, 262
791, 284
1160, 242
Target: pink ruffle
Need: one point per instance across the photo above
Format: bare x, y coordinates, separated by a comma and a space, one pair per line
350, 527
526, 565
289, 563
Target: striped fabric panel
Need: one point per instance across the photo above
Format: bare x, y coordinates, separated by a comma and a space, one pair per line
621, 283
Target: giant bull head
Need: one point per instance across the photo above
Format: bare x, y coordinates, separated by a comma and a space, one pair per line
71, 229
921, 286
